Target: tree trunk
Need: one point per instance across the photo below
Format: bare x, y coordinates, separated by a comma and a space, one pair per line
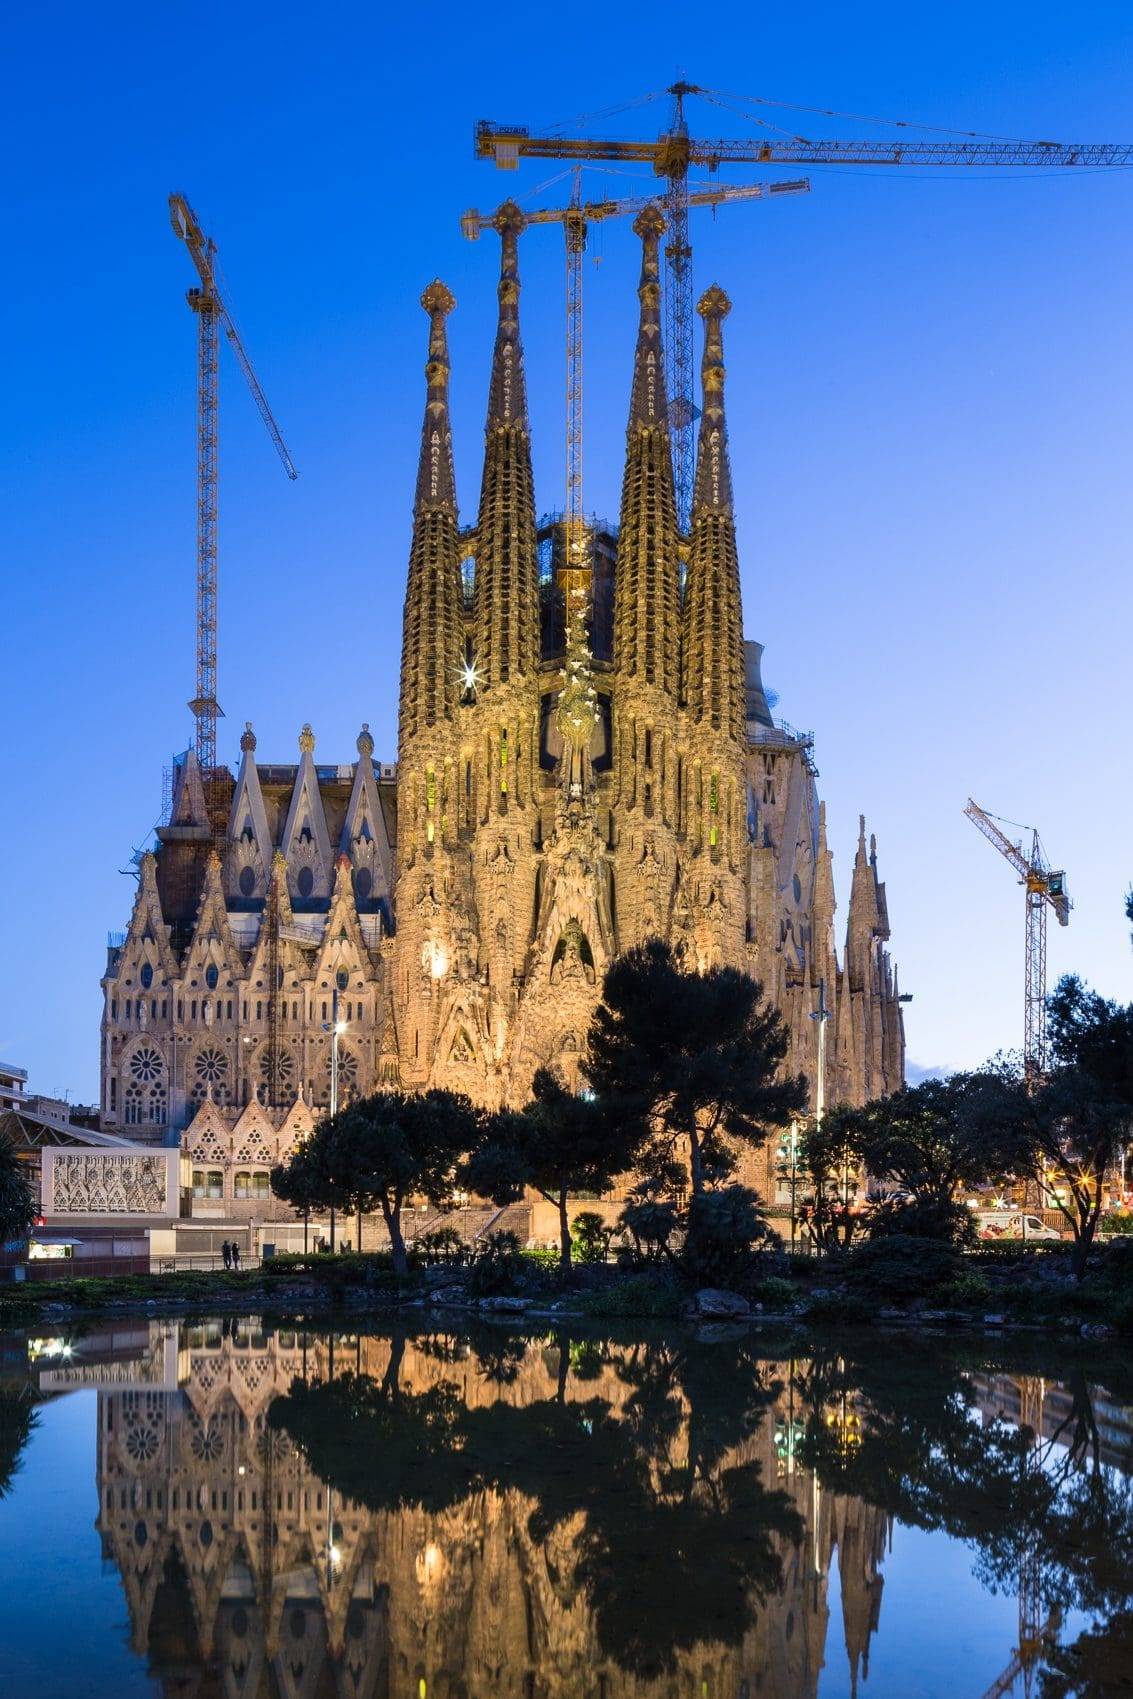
695, 1170
392, 1213
564, 1232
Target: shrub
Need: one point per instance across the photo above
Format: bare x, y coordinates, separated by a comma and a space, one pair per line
499, 1267
1117, 1222
643, 1295
776, 1291
945, 1222
443, 1244
590, 1236
898, 1268
724, 1229
840, 1307
967, 1291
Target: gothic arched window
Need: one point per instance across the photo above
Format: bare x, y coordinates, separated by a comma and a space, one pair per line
132, 1105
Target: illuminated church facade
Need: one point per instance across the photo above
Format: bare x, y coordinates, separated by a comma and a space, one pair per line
586, 759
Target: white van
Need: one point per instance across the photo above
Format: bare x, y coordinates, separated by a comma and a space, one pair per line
1013, 1224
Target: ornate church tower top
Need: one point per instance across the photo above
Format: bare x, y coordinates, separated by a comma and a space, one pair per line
505, 593
432, 646
714, 655
646, 602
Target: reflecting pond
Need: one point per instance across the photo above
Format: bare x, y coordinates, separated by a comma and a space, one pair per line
242, 1509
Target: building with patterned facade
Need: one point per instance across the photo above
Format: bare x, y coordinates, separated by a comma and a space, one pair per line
586, 758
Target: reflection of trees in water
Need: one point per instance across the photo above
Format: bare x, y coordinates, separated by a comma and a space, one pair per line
1045, 1505
18, 1420
454, 1505
674, 1544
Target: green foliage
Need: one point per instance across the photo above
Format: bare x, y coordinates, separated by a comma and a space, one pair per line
942, 1219
724, 1229
17, 1199
925, 1141
500, 1268
590, 1236
968, 1291
651, 1224
692, 1058
1118, 1222
829, 1158
639, 1295
1071, 1124
776, 1292
562, 1143
443, 1244
899, 1269
378, 1152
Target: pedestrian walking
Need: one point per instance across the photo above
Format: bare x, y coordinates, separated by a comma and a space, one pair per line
226, 1253
235, 1254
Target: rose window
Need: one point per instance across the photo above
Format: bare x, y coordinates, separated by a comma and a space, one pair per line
208, 1440
284, 1071
146, 1063
141, 1441
211, 1071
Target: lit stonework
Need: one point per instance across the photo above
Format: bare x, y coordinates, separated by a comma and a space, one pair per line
586, 758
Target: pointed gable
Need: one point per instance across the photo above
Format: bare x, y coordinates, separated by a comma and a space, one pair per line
343, 948
306, 842
365, 839
213, 962
189, 806
249, 836
147, 938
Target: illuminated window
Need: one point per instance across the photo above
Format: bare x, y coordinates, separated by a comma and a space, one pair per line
430, 790
251, 1185
713, 808
503, 760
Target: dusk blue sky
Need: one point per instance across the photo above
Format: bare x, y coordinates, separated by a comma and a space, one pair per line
930, 394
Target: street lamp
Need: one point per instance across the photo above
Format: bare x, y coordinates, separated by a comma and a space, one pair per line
822, 1015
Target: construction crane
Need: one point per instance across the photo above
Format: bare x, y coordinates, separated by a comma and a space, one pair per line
576, 219
674, 151
213, 316
1044, 888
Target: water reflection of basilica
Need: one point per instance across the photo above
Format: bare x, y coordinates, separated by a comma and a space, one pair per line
248, 1575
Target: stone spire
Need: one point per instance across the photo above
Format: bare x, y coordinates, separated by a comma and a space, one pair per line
431, 648
714, 653
506, 591
647, 593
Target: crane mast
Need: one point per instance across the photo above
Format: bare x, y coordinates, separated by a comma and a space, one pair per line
576, 219
1043, 888
671, 156
212, 315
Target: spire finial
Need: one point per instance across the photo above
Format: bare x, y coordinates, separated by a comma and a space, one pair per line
248, 740
436, 483
365, 743
713, 487
647, 402
306, 740
507, 396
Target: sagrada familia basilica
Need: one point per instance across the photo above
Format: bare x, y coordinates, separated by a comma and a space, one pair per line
586, 758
